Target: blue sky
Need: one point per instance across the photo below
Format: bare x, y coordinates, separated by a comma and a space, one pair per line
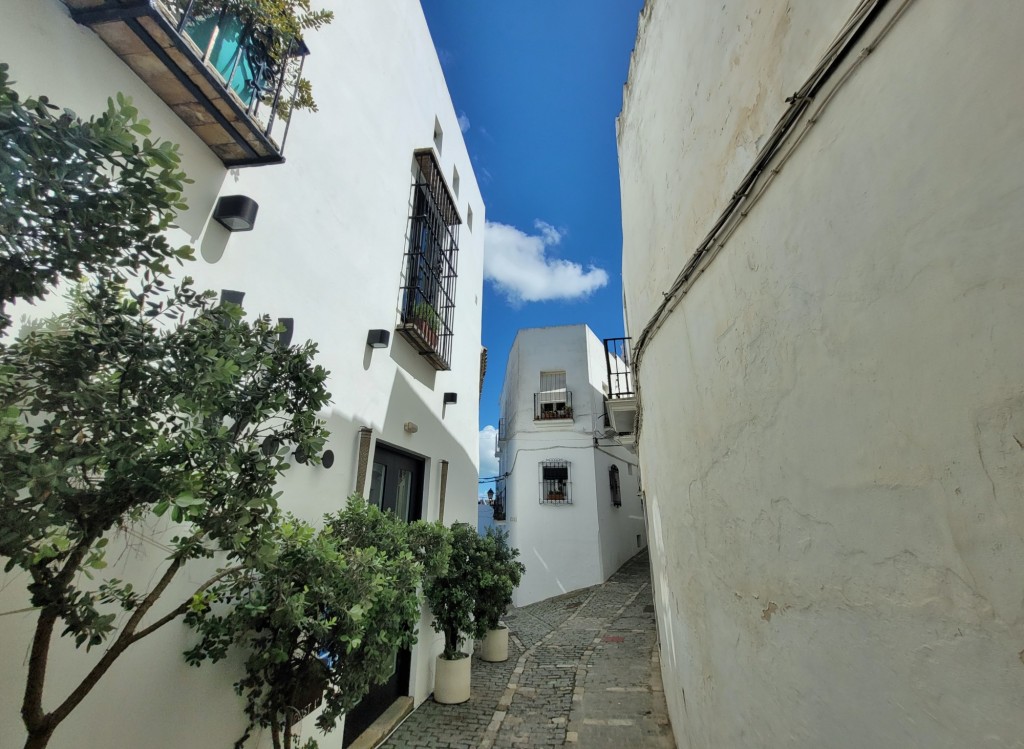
537, 85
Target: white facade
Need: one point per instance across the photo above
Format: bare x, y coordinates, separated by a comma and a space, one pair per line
582, 538
832, 403
328, 251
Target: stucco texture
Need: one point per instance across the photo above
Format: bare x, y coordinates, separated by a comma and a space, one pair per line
833, 416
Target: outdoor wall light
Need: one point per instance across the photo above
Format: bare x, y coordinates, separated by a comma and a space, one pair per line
236, 212
284, 338
328, 459
230, 296
451, 398
378, 338
410, 427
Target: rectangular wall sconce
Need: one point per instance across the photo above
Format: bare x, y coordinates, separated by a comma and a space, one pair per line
378, 339
284, 338
236, 212
451, 398
229, 296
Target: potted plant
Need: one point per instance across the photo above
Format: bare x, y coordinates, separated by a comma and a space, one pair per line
427, 321
556, 496
451, 597
321, 615
500, 574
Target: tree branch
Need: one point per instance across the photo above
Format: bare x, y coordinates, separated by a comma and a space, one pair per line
183, 607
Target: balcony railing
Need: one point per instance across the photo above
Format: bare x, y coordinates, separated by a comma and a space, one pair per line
552, 405
428, 296
620, 370
216, 72
502, 430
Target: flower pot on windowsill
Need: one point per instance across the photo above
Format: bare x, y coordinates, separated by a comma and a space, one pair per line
428, 333
556, 497
494, 646
452, 680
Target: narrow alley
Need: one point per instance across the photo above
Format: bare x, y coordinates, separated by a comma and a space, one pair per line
582, 671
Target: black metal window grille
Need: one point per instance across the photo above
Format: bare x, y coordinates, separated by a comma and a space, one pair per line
615, 486
428, 296
555, 486
502, 429
499, 500
620, 369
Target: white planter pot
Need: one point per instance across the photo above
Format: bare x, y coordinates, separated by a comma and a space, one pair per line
494, 646
451, 680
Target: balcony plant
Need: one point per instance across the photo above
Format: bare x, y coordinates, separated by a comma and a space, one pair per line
451, 596
265, 29
500, 574
556, 496
426, 319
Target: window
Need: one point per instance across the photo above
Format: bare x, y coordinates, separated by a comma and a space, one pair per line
554, 482
500, 507
438, 136
469, 217
428, 296
613, 484
553, 401
455, 181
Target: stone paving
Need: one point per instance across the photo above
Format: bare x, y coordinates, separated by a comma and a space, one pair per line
582, 672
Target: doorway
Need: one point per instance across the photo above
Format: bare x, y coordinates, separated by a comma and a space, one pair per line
396, 484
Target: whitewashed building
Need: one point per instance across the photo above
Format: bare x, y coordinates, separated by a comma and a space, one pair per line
824, 285
569, 486
368, 213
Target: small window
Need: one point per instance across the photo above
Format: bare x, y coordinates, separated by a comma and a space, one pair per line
438, 136
555, 485
469, 217
455, 181
629, 468
613, 484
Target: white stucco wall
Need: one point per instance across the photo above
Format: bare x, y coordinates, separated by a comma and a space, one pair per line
570, 546
327, 251
833, 416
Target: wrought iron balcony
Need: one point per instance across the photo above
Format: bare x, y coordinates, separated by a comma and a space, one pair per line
502, 430
621, 402
214, 71
552, 405
428, 296
620, 372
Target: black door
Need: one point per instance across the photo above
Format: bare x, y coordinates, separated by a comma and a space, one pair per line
397, 485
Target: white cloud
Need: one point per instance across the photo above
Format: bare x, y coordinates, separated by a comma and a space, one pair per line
463, 122
519, 264
488, 463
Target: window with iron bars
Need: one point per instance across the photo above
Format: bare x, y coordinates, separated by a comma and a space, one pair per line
555, 486
615, 486
499, 506
428, 296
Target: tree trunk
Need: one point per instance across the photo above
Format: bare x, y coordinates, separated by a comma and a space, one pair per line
40, 739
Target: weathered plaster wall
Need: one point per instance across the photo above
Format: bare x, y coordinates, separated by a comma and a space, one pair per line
327, 251
833, 433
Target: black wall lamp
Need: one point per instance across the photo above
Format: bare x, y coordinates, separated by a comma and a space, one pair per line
378, 339
451, 398
236, 212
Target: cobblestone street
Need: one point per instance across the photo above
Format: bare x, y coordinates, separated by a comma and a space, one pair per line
582, 671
